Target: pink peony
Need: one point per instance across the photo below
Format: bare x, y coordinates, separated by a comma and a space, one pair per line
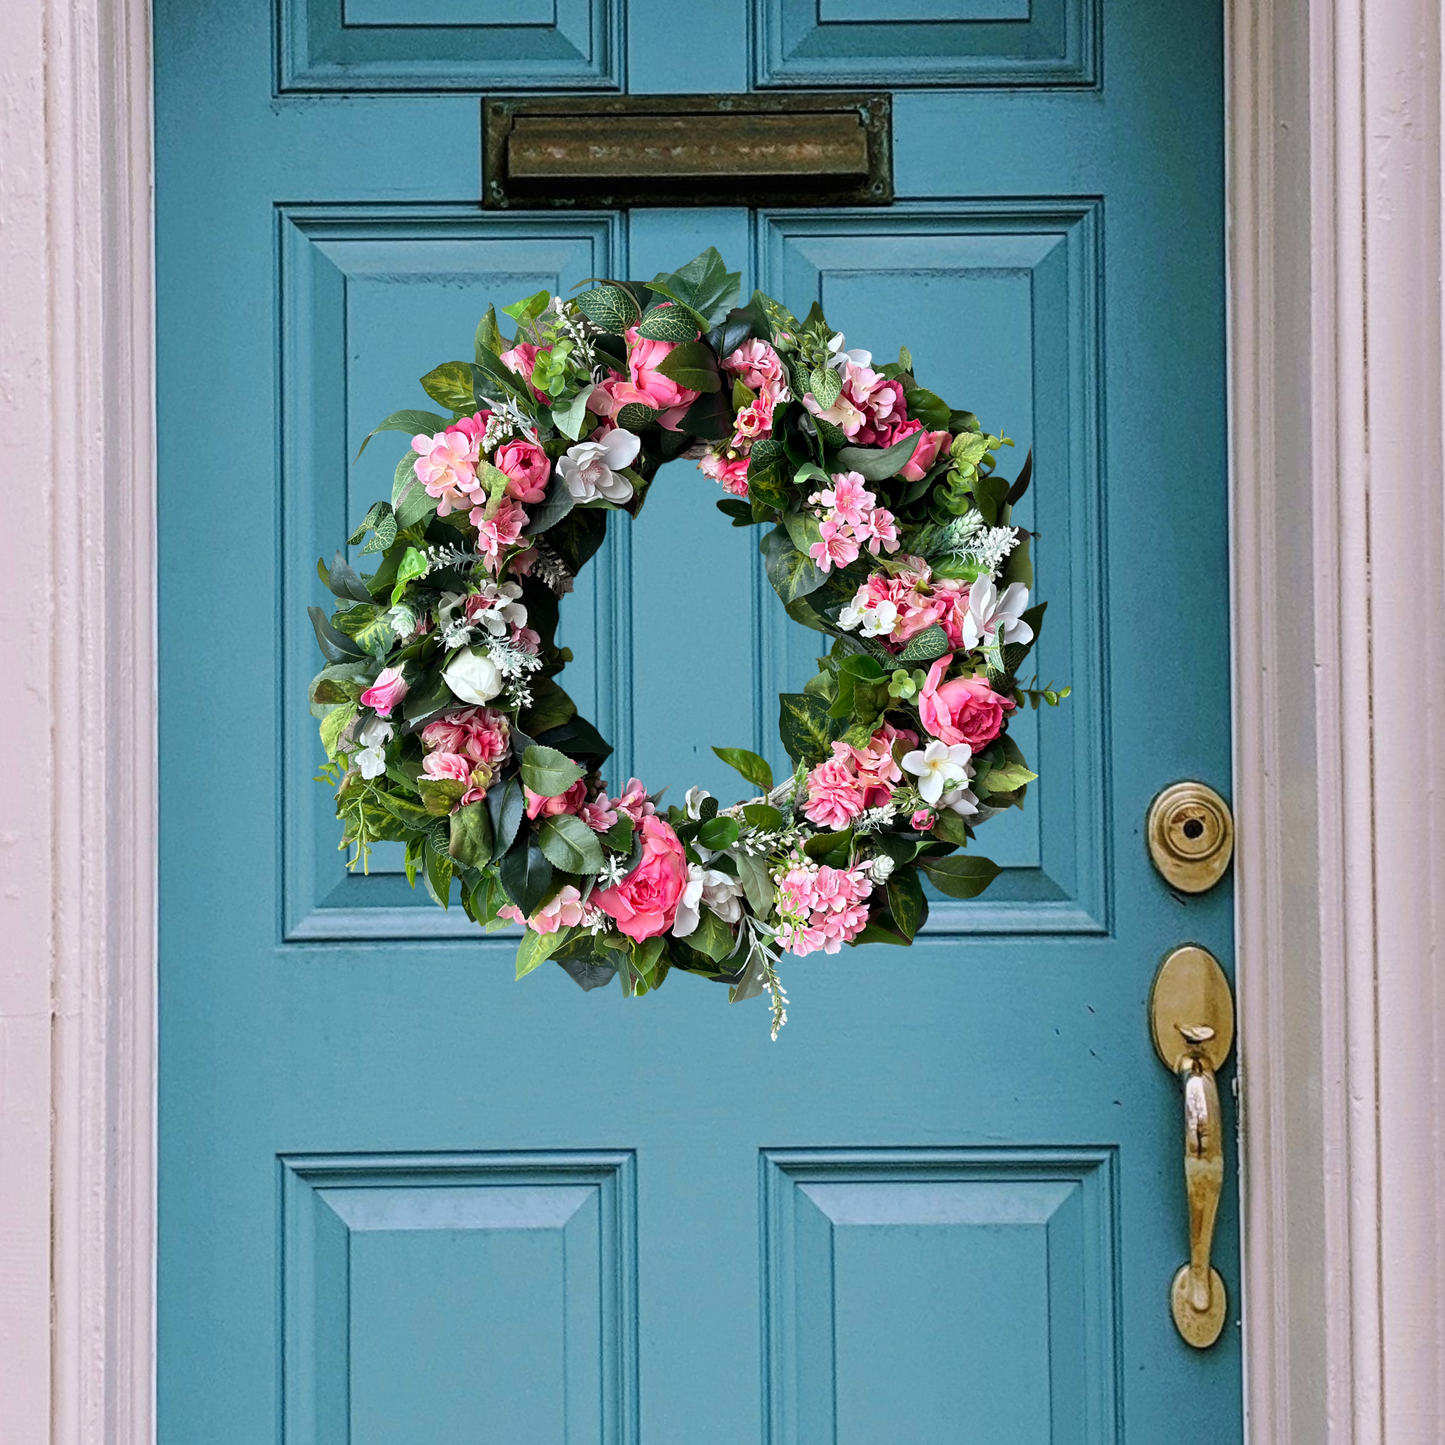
446, 467
926, 453
648, 385
835, 796
966, 710
527, 469
563, 910
386, 692
644, 904
568, 802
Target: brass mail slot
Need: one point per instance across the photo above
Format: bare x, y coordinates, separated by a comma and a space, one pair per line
687, 150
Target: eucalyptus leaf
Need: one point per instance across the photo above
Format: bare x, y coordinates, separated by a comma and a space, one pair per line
559, 501
569, 419
758, 886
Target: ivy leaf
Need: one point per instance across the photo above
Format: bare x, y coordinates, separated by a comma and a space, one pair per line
792, 573
704, 285
526, 874
570, 844
385, 533
693, 365
925, 646
451, 385
806, 729
875, 464
755, 769
613, 308
471, 836
368, 627
547, 772
958, 875
505, 806
413, 423
667, 323
906, 901
536, 948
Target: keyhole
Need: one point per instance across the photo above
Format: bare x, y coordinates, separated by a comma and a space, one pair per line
1193, 828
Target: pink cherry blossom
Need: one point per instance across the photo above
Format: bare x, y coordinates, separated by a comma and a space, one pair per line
496, 534
836, 545
878, 529
848, 499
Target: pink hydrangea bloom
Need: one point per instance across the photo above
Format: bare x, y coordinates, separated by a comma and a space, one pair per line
835, 796
496, 534
446, 467
563, 910
822, 908
759, 368
875, 765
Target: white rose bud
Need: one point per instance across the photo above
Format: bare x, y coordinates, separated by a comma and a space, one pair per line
473, 676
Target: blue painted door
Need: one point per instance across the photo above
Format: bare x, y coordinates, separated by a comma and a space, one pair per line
405, 1199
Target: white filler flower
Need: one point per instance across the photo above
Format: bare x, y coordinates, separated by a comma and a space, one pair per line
939, 768
590, 468
473, 676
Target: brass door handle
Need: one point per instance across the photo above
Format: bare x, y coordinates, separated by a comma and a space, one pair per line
1192, 1017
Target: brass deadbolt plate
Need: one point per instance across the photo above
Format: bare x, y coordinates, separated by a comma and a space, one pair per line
1198, 1329
1191, 1007
1191, 836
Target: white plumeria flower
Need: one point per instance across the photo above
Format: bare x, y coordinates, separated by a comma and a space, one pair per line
938, 767
372, 737
720, 891
838, 358
473, 676
590, 468
694, 800
1001, 614
960, 800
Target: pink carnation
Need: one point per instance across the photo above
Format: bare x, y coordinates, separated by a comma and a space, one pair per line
644, 903
634, 801
753, 421
835, 796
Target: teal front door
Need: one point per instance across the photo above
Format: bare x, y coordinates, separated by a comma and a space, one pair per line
406, 1200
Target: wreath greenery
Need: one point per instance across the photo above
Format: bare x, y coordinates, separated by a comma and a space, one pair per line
887, 529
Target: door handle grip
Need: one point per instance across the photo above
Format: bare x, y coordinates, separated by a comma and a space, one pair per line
1192, 1016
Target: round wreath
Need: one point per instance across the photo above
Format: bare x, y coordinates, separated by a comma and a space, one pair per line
888, 530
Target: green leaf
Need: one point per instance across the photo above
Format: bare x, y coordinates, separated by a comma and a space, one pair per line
619, 836
489, 338
413, 564
526, 311
950, 827
762, 816
736, 509
692, 364
568, 419
333, 724
413, 423
635, 416
826, 386
438, 794
755, 769
344, 582
718, 833
806, 729
471, 836
712, 936
704, 285
610, 307
369, 628
547, 772
877, 465
335, 646
1005, 777
451, 385
550, 708
925, 646
577, 738
1017, 567
559, 501
408, 497
929, 408
768, 475
757, 881
506, 804
958, 875
526, 874
906, 901
803, 530
570, 844
536, 948
875, 932
820, 845
791, 573
668, 323
438, 875
340, 682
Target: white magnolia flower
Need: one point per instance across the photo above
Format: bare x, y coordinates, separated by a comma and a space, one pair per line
939, 768
960, 800
473, 676
693, 799
1001, 614
837, 357
590, 468
720, 891
372, 737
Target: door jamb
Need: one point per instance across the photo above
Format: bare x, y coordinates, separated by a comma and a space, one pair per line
1333, 131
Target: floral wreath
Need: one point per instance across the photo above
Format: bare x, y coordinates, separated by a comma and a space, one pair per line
888, 531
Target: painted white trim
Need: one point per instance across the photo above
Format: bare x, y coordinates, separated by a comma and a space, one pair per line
1339, 548
1335, 258
77, 980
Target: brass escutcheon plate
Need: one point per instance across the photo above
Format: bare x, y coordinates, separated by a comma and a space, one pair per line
1199, 1330
1191, 836
1191, 992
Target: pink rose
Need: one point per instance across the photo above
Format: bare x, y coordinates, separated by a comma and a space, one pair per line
386, 692
922, 821
527, 469
966, 710
521, 361
644, 904
929, 448
569, 802
730, 470
648, 385
564, 910
754, 421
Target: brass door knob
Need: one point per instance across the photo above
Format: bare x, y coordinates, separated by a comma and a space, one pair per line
1191, 836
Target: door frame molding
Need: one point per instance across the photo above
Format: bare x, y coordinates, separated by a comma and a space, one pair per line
1334, 127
